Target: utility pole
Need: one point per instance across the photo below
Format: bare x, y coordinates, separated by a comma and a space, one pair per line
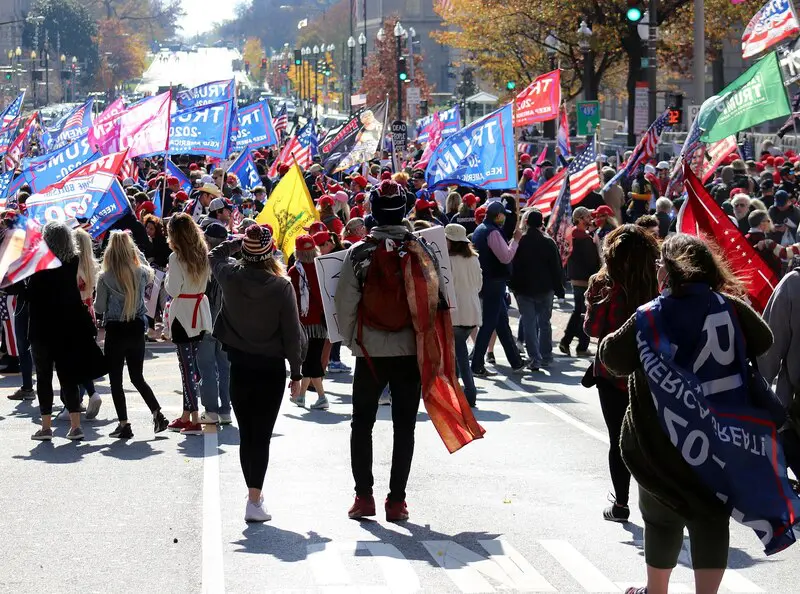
699, 53
652, 27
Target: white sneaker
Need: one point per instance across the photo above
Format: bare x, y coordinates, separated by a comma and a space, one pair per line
95, 401
209, 418
63, 415
255, 512
299, 401
225, 419
321, 404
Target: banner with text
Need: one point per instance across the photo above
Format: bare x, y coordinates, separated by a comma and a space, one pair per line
253, 127
539, 101
203, 130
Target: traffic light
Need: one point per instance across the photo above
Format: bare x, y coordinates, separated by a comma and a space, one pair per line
263, 63
675, 105
511, 85
402, 72
298, 58
8, 76
247, 66
634, 12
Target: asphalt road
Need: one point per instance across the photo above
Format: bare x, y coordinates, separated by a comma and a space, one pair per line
518, 511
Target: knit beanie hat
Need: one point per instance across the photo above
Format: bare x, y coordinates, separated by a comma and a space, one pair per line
257, 245
388, 203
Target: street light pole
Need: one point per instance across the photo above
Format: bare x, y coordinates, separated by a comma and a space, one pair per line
316, 61
362, 41
351, 44
398, 36
585, 35
651, 60
47, 67
33, 76
551, 48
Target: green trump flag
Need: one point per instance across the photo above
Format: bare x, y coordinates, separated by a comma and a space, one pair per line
756, 96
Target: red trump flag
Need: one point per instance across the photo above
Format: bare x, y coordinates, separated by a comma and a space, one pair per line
539, 101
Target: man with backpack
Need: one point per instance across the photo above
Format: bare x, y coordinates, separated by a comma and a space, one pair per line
377, 325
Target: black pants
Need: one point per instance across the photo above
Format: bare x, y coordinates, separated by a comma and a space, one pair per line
575, 324
256, 396
125, 344
614, 403
43, 361
402, 375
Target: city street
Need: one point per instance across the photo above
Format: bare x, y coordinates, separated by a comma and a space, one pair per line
517, 511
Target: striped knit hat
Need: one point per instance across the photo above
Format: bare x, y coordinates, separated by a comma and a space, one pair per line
257, 245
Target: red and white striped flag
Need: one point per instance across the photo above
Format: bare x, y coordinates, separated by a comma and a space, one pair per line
129, 169
583, 174
547, 193
36, 256
716, 153
281, 122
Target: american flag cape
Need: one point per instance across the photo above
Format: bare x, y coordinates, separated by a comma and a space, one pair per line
644, 151
302, 147
558, 227
18, 148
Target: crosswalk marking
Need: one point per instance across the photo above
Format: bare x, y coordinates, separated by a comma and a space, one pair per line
397, 571
467, 569
732, 581
326, 564
578, 566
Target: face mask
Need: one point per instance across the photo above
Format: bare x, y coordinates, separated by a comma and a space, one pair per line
247, 212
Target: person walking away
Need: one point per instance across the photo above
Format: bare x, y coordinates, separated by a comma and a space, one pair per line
626, 281
467, 280
120, 298
495, 256
536, 277
309, 303
376, 323
677, 332
212, 361
189, 313
87, 280
55, 302
259, 326
583, 262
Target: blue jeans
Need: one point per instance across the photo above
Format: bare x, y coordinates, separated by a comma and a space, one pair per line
212, 362
21, 316
536, 312
461, 334
495, 319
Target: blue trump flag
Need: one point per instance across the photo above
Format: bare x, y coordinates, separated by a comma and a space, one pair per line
213, 92
108, 210
450, 118
204, 130
71, 126
480, 155
45, 170
5, 182
157, 200
245, 169
253, 127
184, 182
693, 355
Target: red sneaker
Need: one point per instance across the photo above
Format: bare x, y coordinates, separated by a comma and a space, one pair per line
177, 425
363, 507
396, 511
192, 429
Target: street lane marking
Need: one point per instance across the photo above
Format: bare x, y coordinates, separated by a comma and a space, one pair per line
578, 566
326, 564
213, 575
397, 570
673, 587
468, 569
556, 411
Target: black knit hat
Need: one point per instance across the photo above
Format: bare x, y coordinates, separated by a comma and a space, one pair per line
388, 203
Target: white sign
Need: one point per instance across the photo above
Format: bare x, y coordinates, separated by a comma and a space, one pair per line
413, 96
640, 114
329, 267
693, 111
151, 292
358, 100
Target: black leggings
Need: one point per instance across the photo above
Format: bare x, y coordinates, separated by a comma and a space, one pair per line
256, 396
43, 360
125, 344
614, 403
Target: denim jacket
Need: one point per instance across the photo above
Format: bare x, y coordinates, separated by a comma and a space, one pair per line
110, 300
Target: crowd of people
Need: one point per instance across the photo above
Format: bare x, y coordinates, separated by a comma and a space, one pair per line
219, 266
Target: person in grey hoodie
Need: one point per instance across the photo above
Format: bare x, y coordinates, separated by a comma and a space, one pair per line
781, 361
260, 329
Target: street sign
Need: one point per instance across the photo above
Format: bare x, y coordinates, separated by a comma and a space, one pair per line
693, 111
640, 114
399, 136
413, 96
588, 117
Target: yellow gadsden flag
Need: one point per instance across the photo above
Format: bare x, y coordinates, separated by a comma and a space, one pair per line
288, 209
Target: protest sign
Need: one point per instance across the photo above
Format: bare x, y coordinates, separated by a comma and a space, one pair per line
481, 155
329, 267
438, 243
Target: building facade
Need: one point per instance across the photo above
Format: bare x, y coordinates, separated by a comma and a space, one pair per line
12, 14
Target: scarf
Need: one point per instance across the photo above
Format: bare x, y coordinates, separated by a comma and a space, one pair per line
305, 291
444, 399
693, 354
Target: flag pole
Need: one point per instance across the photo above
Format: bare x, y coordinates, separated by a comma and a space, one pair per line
166, 151
516, 155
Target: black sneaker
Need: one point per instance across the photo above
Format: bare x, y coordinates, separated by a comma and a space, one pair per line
564, 348
490, 357
617, 513
122, 431
160, 422
75, 434
483, 372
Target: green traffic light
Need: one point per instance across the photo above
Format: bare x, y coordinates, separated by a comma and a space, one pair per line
403, 76
634, 14
511, 85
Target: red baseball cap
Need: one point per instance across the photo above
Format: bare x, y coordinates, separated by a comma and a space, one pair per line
304, 243
602, 211
316, 227
360, 180
321, 238
325, 201
194, 167
423, 204
360, 197
480, 214
172, 180
470, 199
283, 169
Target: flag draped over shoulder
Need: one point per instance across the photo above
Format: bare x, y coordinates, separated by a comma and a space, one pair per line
701, 216
288, 210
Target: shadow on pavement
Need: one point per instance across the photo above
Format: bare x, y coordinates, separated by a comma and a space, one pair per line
265, 539
321, 417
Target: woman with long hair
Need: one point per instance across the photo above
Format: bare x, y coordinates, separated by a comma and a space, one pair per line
189, 311
120, 297
626, 280
309, 303
61, 331
467, 281
696, 338
87, 280
258, 348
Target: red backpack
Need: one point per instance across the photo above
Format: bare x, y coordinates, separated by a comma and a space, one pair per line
384, 304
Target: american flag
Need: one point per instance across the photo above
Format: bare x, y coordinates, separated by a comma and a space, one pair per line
129, 169
715, 154
18, 148
547, 193
35, 256
583, 175
302, 147
281, 122
8, 304
564, 148
10, 121
644, 151
559, 224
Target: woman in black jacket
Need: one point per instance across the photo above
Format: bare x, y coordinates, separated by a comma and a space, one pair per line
61, 333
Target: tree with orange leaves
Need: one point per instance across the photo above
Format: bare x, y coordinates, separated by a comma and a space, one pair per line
122, 54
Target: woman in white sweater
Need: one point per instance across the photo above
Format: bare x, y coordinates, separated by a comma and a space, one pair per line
189, 313
467, 280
